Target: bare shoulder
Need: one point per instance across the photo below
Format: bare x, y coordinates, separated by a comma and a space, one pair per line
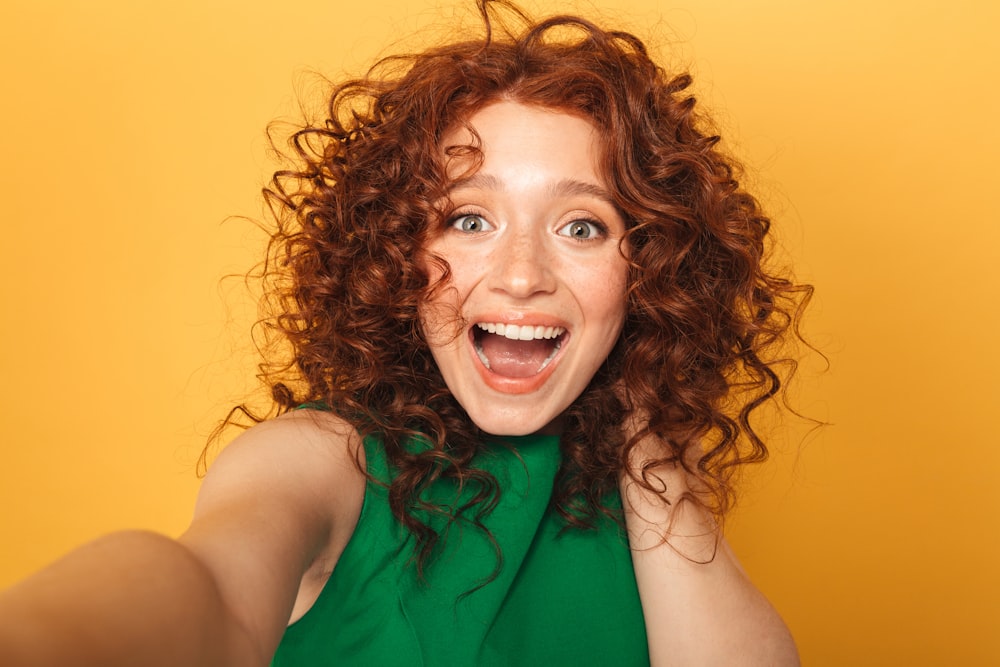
309, 459
280, 502
300, 441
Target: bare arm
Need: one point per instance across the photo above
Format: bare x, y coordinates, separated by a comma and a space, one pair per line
281, 502
699, 610
125, 599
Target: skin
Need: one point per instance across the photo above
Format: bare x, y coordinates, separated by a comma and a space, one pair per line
281, 502
277, 509
532, 239
699, 606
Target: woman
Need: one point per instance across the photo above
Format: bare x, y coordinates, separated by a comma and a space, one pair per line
527, 316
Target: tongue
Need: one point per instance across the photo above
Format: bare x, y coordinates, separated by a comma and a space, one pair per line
515, 358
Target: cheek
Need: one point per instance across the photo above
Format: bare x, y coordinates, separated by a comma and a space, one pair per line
441, 317
459, 269
607, 283
437, 307
438, 259
441, 311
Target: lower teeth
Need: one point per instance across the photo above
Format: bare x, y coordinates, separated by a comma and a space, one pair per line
482, 356
552, 355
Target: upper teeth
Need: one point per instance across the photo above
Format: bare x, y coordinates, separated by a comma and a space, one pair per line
517, 332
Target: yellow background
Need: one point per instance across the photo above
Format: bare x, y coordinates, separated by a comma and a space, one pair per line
130, 133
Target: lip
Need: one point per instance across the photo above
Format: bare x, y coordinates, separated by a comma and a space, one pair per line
517, 385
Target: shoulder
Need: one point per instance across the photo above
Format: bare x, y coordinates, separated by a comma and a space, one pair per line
309, 458
307, 432
281, 501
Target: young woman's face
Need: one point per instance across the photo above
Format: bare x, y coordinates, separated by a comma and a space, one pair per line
536, 297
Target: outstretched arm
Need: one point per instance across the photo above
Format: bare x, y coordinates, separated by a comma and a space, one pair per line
126, 599
280, 502
700, 608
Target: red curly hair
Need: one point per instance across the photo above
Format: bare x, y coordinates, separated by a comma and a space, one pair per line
346, 270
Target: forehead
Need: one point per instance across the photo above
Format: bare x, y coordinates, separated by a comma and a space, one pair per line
527, 137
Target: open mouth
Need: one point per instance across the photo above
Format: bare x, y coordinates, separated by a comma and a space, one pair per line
516, 351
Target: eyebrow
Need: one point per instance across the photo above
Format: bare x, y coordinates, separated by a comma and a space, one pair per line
564, 188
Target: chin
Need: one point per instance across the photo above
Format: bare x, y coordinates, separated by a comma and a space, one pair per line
528, 420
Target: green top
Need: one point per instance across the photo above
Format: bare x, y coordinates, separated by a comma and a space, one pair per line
564, 596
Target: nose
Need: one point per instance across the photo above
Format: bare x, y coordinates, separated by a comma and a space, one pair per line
522, 266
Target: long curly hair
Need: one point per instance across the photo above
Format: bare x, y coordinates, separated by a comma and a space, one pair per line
701, 345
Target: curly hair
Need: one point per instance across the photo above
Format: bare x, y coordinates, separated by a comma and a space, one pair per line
345, 274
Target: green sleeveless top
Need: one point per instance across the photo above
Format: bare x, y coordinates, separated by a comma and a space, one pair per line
563, 596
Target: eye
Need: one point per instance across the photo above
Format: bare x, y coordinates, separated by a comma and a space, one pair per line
471, 223
582, 229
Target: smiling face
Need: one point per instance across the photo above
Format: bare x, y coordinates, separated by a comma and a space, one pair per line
536, 297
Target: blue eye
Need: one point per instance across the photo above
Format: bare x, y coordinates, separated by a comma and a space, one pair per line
582, 229
471, 223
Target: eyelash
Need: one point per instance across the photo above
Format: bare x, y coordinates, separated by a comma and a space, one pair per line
454, 218
600, 228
